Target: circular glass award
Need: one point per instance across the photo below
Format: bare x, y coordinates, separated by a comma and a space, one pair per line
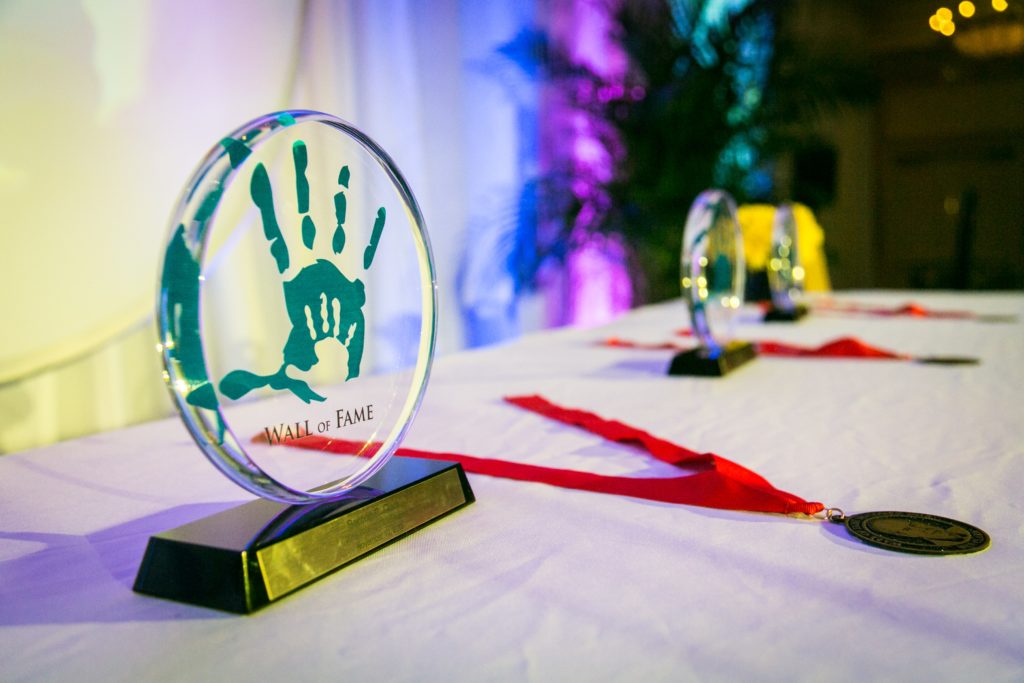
297, 302
785, 274
712, 266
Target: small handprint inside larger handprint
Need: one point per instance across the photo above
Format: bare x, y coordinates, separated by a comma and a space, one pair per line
321, 302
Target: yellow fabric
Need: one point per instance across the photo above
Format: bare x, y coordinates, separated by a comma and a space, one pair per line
756, 225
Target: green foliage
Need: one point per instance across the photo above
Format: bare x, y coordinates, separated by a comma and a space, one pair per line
695, 109
674, 137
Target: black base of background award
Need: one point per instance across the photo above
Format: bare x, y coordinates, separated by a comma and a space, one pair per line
700, 362
779, 315
245, 558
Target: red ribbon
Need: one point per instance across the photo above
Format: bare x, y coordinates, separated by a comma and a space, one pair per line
844, 347
910, 310
717, 483
619, 343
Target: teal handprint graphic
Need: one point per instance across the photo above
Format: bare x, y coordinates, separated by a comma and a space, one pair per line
322, 303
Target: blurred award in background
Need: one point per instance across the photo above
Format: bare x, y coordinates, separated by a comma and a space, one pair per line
712, 275
785, 272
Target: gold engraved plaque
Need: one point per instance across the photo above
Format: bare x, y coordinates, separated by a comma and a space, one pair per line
247, 557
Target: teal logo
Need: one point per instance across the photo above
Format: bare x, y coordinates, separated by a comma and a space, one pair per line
322, 303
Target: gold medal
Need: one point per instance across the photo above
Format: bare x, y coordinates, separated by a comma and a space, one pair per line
914, 532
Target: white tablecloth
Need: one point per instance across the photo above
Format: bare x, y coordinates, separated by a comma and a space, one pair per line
537, 583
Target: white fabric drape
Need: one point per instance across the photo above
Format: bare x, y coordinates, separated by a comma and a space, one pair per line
108, 106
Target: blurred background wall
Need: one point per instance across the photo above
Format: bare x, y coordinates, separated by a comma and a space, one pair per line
922, 185
554, 145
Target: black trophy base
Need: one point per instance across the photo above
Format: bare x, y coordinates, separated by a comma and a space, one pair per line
701, 362
242, 559
780, 315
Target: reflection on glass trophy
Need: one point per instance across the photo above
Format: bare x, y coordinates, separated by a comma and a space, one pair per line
290, 245
712, 275
785, 274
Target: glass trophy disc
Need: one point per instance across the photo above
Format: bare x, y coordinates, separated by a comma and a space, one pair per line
712, 267
297, 301
785, 274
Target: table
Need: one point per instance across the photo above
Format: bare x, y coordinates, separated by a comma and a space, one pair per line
537, 583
